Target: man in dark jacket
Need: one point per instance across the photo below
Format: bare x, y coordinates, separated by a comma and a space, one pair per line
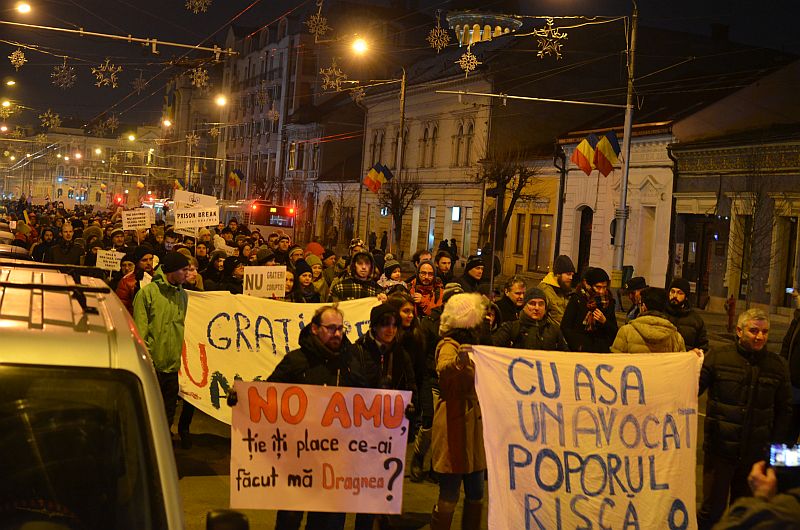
513, 299
589, 323
65, 252
533, 330
749, 407
690, 325
324, 358
473, 272
790, 350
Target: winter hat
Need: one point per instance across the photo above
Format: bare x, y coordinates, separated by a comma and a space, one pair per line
203, 232
450, 289
300, 267
379, 312
390, 266
327, 254
595, 275
231, 262
264, 254
472, 262
563, 264
313, 259
92, 231
174, 261
241, 238
216, 255
655, 299
282, 237
534, 293
294, 249
141, 251
314, 248
682, 284
636, 283
462, 311
116, 231
185, 251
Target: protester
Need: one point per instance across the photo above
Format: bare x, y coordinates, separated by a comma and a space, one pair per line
142, 274
315, 262
232, 276
749, 407
513, 299
358, 283
426, 289
473, 272
766, 509
790, 350
650, 331
557, 287
213, 273
391, 276
444, 266
282, 250
589, 323
532, 330
679, 312
634, 288
458, 454
303, 290
40, 249
65, 251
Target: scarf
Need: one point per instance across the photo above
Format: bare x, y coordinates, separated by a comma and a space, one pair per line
588, 295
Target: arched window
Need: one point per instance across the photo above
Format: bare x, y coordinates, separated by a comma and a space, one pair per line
434, 135
423, 148
459, 147
468, 145
404, 158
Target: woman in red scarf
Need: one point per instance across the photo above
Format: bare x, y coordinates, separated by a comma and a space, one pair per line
589, 323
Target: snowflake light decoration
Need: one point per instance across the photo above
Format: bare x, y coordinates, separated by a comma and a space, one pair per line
114, 159
213, 132
198, 6
332, 77
106, 74
262, 96
438, 38
549, 39
50, 119
99, 128
468, 62
317, 24
273, 115
17, 133
5, 112
139, 84
112, 123
63, 76
17, 58
41, 138
357, 94
192, 139
199, 77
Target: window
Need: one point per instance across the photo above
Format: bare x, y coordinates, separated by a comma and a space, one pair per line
315, 157
539, 242
292, 154
423, 148
434, 134
384, 211
468, 145
455, 215
519, 240
301, 152
459, 147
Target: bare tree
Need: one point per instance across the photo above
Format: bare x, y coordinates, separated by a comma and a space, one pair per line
397, 196
506, 171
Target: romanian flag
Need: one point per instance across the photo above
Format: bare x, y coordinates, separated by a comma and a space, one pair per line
140, 184
103, 187
378, 176
179, 184
235, 178
606, 154
583, 156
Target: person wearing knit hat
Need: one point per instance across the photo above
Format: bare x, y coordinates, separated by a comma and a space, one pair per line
265, 255
557, 286
142, 274
473, 272
295, 253
457, 414
159, 311
213, 273
533, 330
391, 276
590, 323
232, 276
315, 262
303, 290
680, 312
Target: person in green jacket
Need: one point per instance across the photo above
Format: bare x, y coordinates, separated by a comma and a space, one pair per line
159, 311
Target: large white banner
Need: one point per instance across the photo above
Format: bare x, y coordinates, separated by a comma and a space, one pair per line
576, 440
318, 448
231, 337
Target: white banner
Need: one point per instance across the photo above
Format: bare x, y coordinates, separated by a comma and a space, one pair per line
231, 336
580, 439
109, 260
265, 282
138, 218
318, 448
196, 217
189, 199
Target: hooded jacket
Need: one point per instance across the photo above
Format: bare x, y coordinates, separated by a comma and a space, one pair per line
384, 367
314, 364
556, 297
650, 332
159, 310
690, 325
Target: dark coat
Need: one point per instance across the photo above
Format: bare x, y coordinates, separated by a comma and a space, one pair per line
690, 325
529, 334
389, 368
598, 340
508, 309
314, 364
470, 284
65, 254
749, 402
790, 349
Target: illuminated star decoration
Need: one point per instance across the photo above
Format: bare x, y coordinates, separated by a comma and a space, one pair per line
332, 77
99, 128
213, 132
63, 76
317, 24
112, 123
438, 38
17, 58
468, 62
41, 138
357, 94
199, 77
139, 84
106, 74
50, 119
192, 139
17, 133
114, 159
262, 95
549, 39
197, 6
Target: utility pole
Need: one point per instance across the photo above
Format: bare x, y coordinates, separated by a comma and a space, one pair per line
400, 140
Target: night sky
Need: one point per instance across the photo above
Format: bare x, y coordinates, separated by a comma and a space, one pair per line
766, 23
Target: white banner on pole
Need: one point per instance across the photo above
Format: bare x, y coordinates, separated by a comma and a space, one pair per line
318, 448
196, 217
109, 260
265, 282
189, 199
231, 336
138, 218
572, 438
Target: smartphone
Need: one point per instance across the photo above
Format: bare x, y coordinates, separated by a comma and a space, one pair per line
785, 460
789, 290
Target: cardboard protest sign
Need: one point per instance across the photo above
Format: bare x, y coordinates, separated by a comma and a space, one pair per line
229, 336
109, 260
265, 282
138, 218
196, 217
189, 199
318, 448
577, 439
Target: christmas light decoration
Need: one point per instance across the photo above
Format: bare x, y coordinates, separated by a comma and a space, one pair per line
63, 76
17, 59
106, 74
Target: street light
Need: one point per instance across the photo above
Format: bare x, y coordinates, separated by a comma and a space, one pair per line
360, 46
131, 137
23, 7
166, 123
221, 100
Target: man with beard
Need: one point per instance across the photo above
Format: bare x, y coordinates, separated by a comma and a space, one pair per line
201, 254
690, 325
40, 250
65, 252
533, 330
325, 357
282, 252
513, 299
142, 274
426, 289
557, 286
118, 241
444, 266
358, 282
589, 323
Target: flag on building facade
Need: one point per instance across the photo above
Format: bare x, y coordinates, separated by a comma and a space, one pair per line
235, 178
179, 184
378, 176
140, 184
583, 156
606, 153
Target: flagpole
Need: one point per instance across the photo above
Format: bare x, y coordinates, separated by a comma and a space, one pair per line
621, 213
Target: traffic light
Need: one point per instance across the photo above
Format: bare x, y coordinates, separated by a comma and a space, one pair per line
118, 199
291, 211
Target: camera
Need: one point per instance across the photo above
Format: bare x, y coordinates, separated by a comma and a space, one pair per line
785, 460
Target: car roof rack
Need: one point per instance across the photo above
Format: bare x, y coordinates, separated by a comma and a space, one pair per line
76, 271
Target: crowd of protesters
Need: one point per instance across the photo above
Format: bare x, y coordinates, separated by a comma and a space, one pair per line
421, 333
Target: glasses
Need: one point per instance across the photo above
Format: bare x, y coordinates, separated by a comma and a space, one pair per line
426, 274
333, 328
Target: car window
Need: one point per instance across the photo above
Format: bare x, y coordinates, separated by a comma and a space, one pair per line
76, 450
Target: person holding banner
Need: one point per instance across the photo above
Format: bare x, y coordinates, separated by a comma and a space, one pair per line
325, 357
458, 453
533, 330
589, 323
650, 331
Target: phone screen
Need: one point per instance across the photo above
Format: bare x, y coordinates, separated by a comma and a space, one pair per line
781, 455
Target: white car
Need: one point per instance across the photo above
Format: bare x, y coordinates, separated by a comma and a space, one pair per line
6, 237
